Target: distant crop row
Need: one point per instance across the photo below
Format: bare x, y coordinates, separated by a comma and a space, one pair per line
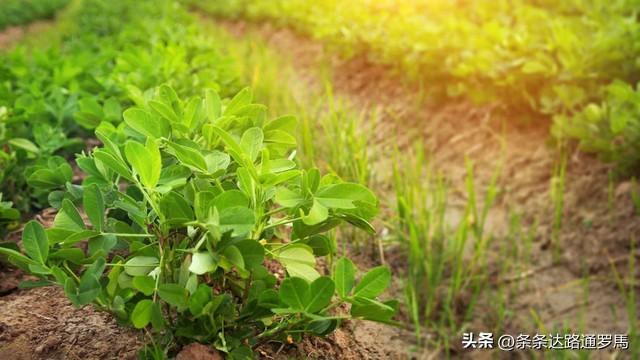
552, 57
18, 12
185, 211
52, 99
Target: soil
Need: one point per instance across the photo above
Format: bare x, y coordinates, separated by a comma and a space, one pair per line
12, 35
355, 340
197, 351
42, 324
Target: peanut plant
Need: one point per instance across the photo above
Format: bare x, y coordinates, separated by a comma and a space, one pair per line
189, 204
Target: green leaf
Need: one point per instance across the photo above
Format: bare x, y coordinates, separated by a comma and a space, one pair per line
373, 310
175, 208
27, 284
146, 123
203, 205
212, 104
68, 218
252, 253
24, 144
202, 263
74, 255
173, 294
321, 291
299, 261
322, 327
373, 283
294, 292
278, 137
112, 284
320, 244
233, 255
145, 160
35, 242
285, 123
144, 284
269, 299
94, 206
174, 176
242, 98
51, 178
347, 196
193, 114
231, 198
246, 182
281, 165
230, 142
125, 281
237, 219
344, 276
140, 265
20, 260
288, 198
71, 291
141, 314
168, 96
88, 289
317, 214
618, 121
217, 161
251, 142
157, 319
112, 110
199, 299
115, 164
70, 238
163, 110
189, 156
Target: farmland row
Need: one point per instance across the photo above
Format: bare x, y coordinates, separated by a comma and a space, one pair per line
572, 61
19, 12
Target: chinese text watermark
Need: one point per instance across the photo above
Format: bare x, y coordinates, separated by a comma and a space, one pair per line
486, 340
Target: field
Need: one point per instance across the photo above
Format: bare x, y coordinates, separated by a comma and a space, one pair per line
286, 179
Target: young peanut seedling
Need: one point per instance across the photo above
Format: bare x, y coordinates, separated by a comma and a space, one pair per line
190, 203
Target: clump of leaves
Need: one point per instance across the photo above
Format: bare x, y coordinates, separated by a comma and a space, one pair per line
51, 98
187, 202
18, 12
611, 128
9, 217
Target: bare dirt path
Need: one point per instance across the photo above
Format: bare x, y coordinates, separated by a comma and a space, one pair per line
12, 35
42, 324
599, 218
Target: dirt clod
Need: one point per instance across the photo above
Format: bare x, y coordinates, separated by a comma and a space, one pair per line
197, 351
42, 324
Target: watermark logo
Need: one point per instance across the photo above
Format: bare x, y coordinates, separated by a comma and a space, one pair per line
506, 342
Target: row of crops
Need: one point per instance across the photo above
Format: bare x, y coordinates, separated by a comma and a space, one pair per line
174, 191
18, 12
573, 60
